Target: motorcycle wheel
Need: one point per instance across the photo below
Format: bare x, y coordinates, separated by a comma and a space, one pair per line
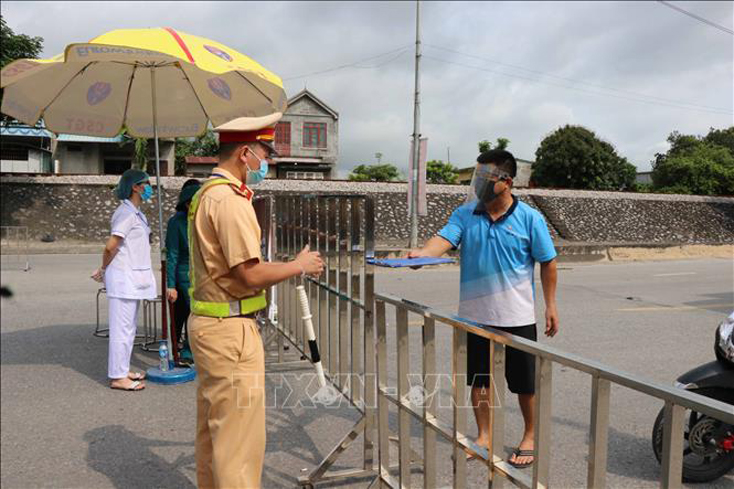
700, 463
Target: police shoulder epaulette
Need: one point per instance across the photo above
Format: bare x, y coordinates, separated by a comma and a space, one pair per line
242, 190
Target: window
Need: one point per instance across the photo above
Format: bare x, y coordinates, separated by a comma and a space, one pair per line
14, 152
150, 168
283, 138
314, 135
304, 175
116, 167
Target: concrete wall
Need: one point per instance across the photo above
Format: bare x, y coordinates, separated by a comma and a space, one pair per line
524, 171
90, 160
79, 208
86, 161
34, 163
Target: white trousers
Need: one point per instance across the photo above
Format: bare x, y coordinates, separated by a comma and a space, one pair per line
123, 326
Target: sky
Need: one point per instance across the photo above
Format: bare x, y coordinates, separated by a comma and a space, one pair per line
632, 72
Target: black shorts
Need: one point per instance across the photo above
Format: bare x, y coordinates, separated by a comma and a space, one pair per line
519, 366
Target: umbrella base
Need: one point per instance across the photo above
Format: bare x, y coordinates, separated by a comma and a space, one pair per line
177, 375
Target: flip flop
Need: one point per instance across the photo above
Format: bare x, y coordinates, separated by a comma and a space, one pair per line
522, 453
131, 388
136, 376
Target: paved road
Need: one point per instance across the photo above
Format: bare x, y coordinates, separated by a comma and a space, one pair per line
61, 427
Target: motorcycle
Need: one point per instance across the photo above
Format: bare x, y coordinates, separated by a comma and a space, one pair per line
708, 443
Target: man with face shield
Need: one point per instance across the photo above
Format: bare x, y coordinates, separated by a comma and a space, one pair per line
228, 283
500, 239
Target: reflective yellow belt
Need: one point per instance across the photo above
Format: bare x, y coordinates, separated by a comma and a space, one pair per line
229, 309
216, 309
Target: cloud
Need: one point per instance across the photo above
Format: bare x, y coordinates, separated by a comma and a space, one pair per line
526, 68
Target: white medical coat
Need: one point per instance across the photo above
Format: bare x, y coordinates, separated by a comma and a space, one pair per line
130, 274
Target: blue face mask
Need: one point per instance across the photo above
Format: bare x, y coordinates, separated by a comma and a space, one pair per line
147, 192
256, 176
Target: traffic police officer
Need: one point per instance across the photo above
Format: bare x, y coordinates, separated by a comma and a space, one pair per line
228, 279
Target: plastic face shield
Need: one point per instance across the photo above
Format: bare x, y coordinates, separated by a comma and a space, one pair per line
484, 174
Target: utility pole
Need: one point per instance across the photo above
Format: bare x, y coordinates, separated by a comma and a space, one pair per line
448, 155
416, 131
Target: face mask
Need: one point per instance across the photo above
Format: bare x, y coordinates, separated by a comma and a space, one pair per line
256, 176
147, 192
486, 192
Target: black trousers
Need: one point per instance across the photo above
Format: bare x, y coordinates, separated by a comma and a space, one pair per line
181, 311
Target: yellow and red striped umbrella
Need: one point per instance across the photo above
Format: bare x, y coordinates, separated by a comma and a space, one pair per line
100, 87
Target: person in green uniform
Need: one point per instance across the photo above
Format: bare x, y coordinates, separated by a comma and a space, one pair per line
177, 263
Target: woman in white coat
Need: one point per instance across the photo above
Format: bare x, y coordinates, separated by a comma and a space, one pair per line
128, 276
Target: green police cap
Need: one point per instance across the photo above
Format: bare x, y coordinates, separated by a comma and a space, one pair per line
131, 177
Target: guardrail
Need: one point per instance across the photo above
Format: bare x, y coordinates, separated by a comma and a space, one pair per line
676, 402
341, 228
15, 241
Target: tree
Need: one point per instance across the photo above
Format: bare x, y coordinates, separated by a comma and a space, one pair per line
485, 145
696, 165
204, 145
574, 157
16, 46
721, 137
439, 172
385, 172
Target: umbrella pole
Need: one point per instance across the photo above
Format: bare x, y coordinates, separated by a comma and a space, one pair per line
159, 185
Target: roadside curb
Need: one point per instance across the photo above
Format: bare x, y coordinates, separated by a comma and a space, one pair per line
591, 252
567, 252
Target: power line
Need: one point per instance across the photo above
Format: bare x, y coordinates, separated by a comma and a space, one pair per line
355, 64
697, 17
572, 80
642, 100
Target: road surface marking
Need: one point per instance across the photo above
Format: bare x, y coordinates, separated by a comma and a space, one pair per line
672, 308
673, 274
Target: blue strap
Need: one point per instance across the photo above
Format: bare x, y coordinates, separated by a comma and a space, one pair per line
408, 262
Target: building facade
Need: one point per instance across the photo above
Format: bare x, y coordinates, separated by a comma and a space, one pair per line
35, 150
87, 155
25, 149
307, 140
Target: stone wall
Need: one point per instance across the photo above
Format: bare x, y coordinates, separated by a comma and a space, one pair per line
79, 208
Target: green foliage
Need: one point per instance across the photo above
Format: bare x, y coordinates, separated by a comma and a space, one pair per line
16, 46
384, 172
485, 145
140, 150
696, 165
643, 188
574, 157
721, 137
204, 145
439, 172
140, 155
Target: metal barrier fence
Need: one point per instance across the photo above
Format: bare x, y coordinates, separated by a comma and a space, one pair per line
15, 243
341, 228
347, 313
676, 402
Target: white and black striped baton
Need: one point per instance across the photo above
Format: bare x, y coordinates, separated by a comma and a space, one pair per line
312, 345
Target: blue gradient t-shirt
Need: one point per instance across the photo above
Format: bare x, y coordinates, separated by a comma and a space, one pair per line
497, 262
